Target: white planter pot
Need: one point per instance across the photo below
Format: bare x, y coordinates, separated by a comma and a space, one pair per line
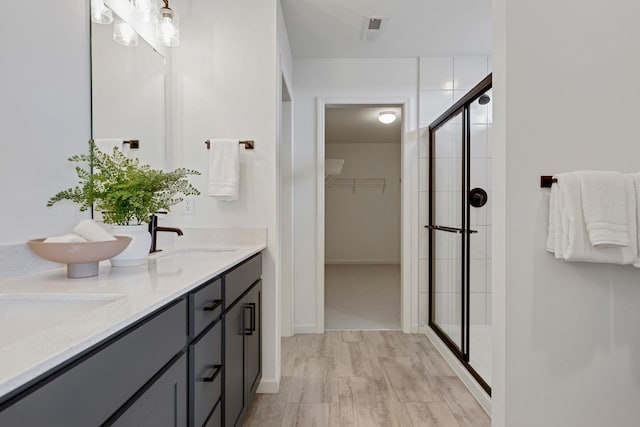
138, 250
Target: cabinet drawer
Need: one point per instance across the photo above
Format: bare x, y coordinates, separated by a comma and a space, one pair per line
241, 278
215, 420
205, 374
90, 390
205, 306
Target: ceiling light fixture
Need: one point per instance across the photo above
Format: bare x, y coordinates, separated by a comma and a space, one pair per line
167, 29
100, 14
387, 117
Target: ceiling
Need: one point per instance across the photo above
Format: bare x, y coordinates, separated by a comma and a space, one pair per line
334, 28
359, 124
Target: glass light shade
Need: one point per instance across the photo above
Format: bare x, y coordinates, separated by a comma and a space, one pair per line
143, 10
100, 14
123, 34
168, 28
387, 117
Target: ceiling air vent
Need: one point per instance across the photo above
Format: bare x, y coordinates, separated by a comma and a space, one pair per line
374, 27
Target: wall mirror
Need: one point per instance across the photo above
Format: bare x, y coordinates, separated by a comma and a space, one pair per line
128, 82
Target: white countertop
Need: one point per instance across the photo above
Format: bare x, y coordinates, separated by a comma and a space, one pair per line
124, 295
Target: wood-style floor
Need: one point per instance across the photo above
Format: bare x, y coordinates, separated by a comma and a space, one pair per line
365, 378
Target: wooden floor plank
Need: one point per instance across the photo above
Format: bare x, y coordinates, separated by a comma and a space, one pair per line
365, 379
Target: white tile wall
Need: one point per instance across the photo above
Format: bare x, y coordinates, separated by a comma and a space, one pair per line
432, 104
478, 243
478, 275
478, 308
468, 71
480, 138
436, 73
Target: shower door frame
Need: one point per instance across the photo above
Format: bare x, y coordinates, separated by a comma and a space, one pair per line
461, 106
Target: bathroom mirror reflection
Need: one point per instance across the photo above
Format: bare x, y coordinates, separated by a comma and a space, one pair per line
128, 91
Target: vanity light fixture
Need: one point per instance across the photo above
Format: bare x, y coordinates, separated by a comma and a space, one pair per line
167, 29
143, 10
123, 33
100, 14
387, 117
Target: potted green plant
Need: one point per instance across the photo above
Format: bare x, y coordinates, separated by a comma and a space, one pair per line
127, 193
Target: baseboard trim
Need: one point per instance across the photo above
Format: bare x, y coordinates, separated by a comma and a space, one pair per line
305, 329
268, 386
467, 379
362, 261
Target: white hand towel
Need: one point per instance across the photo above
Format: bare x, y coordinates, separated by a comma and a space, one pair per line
553, 207
636, 181
604, 203
65, 238
554, 232
92, 231
224, 169
108, 144
576, 245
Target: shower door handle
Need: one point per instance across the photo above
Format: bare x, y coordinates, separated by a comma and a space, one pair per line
449, 229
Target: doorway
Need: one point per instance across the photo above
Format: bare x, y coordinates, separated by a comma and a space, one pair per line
284, 215
362, 216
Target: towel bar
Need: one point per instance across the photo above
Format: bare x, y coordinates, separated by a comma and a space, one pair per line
547, 180
248, 144
133, 143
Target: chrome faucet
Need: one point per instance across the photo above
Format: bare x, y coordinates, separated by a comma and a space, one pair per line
153, 230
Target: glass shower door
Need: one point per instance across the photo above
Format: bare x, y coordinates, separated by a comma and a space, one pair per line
459, 229
446, 234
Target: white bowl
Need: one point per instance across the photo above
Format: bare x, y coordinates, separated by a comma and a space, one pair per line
81, 257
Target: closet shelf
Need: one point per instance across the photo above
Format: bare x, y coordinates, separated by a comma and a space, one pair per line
357, 183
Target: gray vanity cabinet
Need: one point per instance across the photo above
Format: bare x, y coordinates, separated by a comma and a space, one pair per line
195, 362
242, 339
126, 373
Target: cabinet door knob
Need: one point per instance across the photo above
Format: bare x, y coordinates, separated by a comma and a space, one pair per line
215, 304
215, 371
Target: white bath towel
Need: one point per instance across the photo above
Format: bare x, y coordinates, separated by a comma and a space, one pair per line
604, 203
551, 230
554, 235
576, 245
91, 231
65, 238
224, 169
636, 181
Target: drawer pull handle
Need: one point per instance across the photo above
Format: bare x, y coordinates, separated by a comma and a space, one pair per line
252, 323
211, 378
215, 304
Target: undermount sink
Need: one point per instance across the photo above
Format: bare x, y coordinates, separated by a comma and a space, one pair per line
194, 253
23, 315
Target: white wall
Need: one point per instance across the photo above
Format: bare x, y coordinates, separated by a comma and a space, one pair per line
284, 189
363, 225
567, 95
44, 115
344, 79
225, 86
